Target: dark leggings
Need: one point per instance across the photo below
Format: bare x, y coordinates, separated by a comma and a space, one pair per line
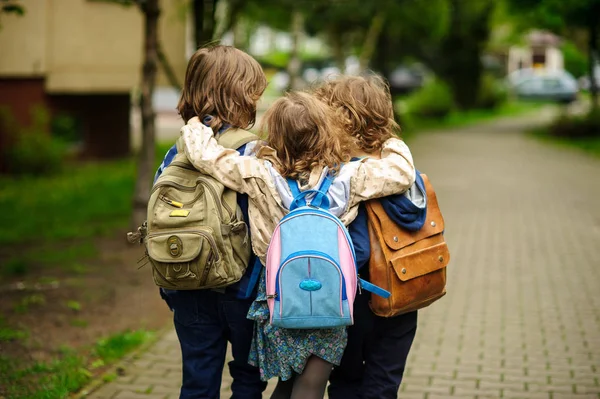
310, 384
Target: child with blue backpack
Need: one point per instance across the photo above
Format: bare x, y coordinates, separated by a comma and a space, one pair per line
375, 356
303, 166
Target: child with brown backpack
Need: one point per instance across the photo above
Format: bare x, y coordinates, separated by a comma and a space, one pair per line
380, 339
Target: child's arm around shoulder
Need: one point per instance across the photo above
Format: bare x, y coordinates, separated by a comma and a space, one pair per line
234, 171
394, 173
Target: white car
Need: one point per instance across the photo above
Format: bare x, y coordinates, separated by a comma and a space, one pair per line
539, 85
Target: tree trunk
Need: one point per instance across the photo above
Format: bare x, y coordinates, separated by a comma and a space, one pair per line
380, 58
337, 47
230, 17
371, 40
167, 68
143, 182
594, 31
295, 63
458, 61
204, 21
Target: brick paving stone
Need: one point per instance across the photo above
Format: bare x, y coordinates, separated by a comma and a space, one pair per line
411, 395
522, 313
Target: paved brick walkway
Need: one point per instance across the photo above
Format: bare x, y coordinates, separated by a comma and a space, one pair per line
522, 314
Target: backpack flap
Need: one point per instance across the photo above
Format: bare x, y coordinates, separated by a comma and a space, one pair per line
421, 262
174, 248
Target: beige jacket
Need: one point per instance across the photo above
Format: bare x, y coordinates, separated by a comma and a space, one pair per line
268, 192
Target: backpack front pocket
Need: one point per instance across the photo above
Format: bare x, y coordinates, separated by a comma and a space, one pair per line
310, 292
185, 259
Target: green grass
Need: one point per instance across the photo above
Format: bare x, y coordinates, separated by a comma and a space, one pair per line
87, 201
80, 203
67, 257
590, 145
9, 334
117, 346
67, 374
465, 118
30, 301
49, 380
83, 201
73, 305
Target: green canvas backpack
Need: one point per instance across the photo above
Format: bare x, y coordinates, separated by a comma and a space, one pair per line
196, 235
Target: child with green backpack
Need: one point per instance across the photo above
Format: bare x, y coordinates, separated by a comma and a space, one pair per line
221, 91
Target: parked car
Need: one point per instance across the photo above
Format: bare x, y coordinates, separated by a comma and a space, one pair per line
558, 86
404, 80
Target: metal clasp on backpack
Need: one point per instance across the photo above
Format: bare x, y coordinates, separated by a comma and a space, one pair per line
139, 235
272, 296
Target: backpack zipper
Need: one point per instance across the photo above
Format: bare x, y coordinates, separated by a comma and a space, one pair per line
210, 188
215, 197
173, 184
180, 187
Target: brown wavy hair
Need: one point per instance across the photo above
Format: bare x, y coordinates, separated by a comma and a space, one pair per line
305, 134
364, 104
224, 82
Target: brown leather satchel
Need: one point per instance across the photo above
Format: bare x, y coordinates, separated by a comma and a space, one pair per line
410, 265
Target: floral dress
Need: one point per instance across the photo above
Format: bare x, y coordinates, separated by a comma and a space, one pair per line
278, 352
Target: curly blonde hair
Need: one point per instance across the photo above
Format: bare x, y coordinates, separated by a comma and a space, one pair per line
305, 134
224, 82
365, 107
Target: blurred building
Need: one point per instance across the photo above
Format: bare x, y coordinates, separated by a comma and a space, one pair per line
83, 58
541, 50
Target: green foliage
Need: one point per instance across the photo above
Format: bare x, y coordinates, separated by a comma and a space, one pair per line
433, 100
557, 15
33, 150
491, 93
575, 60
11, 7
14, 267
118, 345
458, 118
580, 132
65, 128
576, 127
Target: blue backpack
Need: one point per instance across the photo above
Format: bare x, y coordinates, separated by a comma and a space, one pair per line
311, 272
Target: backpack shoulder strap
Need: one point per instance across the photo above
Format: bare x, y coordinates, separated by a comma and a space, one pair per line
235, 138
231, 138
180, 156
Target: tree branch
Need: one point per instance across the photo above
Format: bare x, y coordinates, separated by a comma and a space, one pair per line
167, 67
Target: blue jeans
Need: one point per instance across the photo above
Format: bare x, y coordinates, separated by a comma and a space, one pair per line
375, 357
205, 321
